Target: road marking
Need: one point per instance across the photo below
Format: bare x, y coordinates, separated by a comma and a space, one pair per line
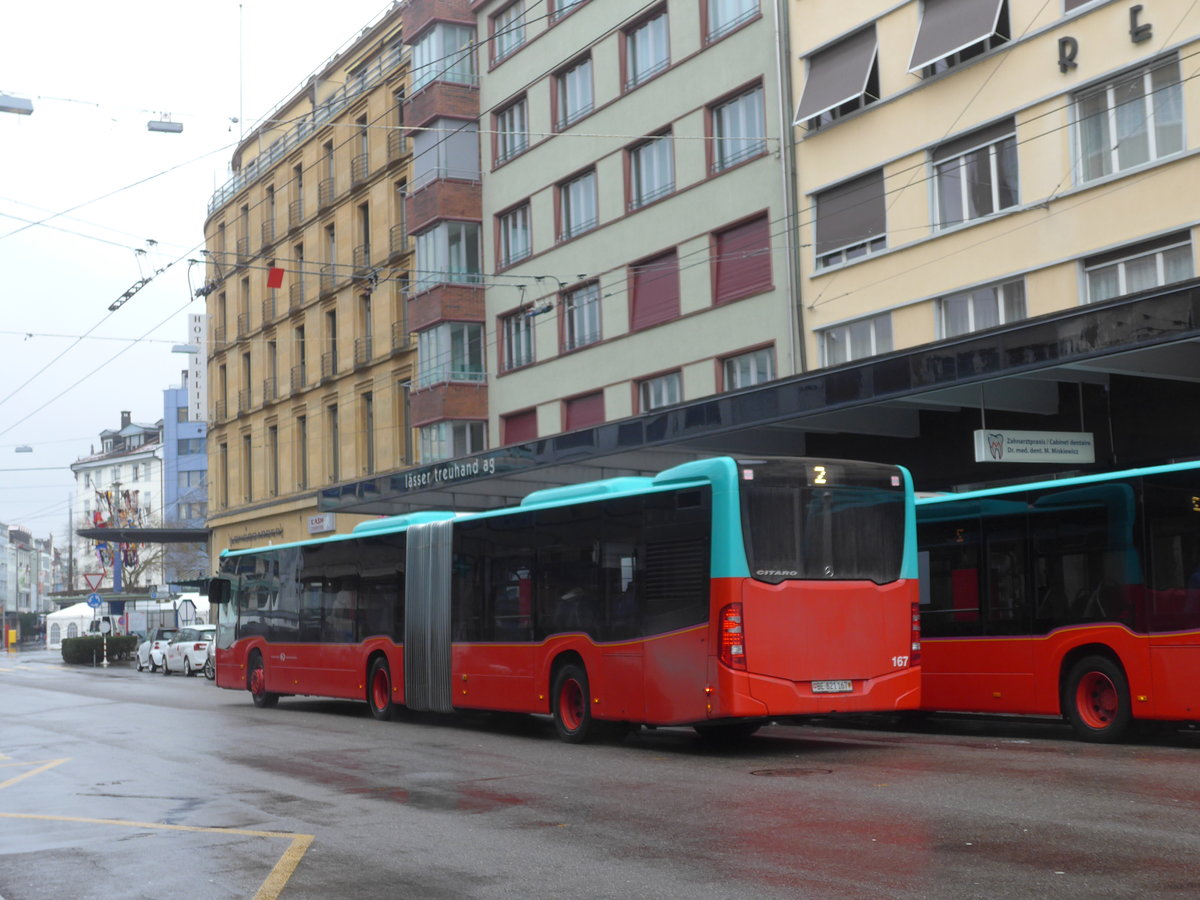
270, 889
41, 767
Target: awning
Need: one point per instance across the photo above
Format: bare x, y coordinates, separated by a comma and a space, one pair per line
952, 25
851, 213
837, 74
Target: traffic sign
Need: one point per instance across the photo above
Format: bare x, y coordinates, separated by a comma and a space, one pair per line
94, 601
93, 579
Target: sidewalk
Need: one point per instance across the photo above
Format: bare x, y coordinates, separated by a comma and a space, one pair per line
55, 658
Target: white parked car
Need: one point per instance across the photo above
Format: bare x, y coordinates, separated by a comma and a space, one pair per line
188, 650
150, 651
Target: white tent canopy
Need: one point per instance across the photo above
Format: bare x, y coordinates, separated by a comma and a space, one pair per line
71, 621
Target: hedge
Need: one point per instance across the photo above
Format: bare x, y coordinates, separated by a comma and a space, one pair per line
89, 650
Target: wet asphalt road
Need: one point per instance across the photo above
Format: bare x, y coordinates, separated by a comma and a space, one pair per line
115, 784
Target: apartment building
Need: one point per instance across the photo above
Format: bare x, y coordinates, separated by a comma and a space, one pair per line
976, 164
310, 358
634, 208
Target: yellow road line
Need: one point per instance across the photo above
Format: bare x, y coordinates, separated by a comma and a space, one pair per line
41, 768
270, 888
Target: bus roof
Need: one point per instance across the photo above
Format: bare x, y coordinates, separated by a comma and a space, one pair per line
1056, 483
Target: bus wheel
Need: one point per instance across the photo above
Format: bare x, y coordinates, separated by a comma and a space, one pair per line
1097, 700
727, 732
572, 712
257, 682
379, 690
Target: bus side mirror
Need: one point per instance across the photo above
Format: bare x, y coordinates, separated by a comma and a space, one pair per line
218, 590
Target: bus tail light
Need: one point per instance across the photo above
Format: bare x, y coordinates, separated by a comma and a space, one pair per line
914, 657
733, 637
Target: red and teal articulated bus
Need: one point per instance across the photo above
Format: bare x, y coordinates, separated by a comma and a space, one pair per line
1078, 597
719, 594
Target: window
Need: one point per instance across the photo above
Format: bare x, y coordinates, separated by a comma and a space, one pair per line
654, 288
574, 92
581, 316
508, 30
726, 15
982, 307
518, 428
850, 220
583, 412
1130, 121
954, 31
748, 369
514, 236
445, 148
444, 53
841, 79
517, 330
651, 171
446, 440
448, 252
451, 351
189, 446
662, 390
577, 205
646, 52
866, 337
738, 130
741, 260
976, 176
335, 442
560, 8
512, 131
1138, 268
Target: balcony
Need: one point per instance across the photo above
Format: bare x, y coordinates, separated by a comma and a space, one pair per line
268, 310
243, 324
326, 191
243, 250
244, 399
270, 388
296, 294
448, 400
398, 240
443, 199
362, 259
219, 336
360, 169
401, 337
398, 146
442, 302
298, 378
295, 213
362, 350
220, 411
268, 233
329, 364
328, 278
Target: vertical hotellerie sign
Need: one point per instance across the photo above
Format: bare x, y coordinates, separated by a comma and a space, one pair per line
1054, 447
198, 368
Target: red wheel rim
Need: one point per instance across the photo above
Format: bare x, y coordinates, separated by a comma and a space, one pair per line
570, 704
257, 682
1096, 700
380, 688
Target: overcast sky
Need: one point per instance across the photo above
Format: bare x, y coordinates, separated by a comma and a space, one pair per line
97, 73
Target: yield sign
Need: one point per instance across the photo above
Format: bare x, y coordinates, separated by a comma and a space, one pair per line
93, 579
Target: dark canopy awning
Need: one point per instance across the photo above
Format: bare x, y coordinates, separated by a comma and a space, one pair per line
837, 74
952, 25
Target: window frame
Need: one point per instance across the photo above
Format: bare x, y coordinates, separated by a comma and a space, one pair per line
1000, 150
448, 353
433, 45
727, 382
564, 115
828, 334
648, 311
714, 32
1005, 296
508, 36
436, 242
739, 232
581, 320
1108, 150
639, 167
634, 75
1120, 259
870, 243
511, 136
516, 337
754, 145
670, 382
568, 226
514, 235
473, 434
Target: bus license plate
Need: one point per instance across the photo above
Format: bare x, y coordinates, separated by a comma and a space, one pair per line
832, 687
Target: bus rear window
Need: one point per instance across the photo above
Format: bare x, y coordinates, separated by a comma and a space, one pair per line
822, 521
